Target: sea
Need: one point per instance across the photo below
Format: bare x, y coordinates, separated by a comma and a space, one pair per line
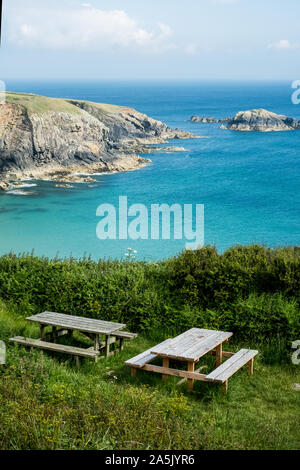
249, 183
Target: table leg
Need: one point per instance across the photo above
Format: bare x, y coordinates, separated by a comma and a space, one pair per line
121, 344
166, 364
107, 346
191, 368
219, 355
97, 343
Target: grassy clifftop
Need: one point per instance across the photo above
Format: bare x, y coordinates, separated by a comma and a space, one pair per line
39, 105
35, 104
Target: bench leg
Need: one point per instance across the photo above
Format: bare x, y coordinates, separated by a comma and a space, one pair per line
107, 346
54, 334
166, 364
219, 355
251, 366
133, 371
225, 386
77, 360
42, 331
121, 344
191, 368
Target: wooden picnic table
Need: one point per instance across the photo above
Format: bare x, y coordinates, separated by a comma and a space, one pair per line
189, 347
69, 323
63, 324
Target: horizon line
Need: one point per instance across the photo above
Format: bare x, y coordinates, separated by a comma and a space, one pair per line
149, 80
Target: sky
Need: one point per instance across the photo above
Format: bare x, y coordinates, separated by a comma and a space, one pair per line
151, 40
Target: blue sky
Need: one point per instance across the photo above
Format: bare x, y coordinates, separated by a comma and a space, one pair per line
161, 39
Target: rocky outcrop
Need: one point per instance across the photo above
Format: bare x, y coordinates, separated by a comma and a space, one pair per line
48, 138
209, 120
4, 186
259, 120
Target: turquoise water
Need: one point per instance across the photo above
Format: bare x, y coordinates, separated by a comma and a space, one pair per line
248, 182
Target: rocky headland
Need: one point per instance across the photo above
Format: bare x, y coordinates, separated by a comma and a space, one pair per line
61, 140
255, 120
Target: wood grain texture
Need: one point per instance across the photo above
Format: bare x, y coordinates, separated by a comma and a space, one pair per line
36, 343
191, 345
72, 322
141, 359
232, 365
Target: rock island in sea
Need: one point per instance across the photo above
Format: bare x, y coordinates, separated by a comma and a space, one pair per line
257, 120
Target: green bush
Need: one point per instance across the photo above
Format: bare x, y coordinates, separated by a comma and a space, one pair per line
253, 291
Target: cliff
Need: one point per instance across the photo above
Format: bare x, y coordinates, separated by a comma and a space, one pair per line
53, 138
255, 120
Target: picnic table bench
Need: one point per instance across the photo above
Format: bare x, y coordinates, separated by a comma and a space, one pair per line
189, 347
63, 325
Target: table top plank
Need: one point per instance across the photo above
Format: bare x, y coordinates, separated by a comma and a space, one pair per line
188, 337
211, 343
60, 316
195, 344
88, 325
160, 348
190, 340
192, 344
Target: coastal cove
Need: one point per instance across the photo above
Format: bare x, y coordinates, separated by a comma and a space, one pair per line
248, 182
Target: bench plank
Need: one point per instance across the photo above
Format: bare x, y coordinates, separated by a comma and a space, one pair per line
125, 334
142, 359
35, 343
232, 365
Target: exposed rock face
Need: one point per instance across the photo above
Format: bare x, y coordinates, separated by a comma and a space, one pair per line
262, 121
38, 141
259, 120
209, 120
4, 186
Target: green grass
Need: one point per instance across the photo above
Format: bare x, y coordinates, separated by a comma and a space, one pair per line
47, 403
39, 105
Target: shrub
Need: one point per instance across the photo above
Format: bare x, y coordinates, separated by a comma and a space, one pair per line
253, 291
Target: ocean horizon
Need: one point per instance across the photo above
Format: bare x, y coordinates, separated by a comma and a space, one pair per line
248, 182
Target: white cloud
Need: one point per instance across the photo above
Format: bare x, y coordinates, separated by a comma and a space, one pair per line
191, 49
85, 28
283, 45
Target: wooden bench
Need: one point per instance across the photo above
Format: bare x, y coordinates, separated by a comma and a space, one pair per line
232, 365
139, 361
37, 343
125, 335
122, 336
